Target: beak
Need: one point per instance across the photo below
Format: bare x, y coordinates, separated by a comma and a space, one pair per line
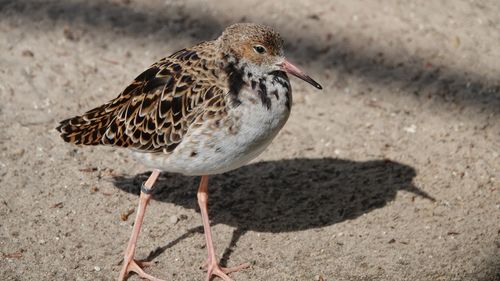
288, 67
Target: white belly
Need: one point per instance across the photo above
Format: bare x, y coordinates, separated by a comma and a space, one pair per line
206, 151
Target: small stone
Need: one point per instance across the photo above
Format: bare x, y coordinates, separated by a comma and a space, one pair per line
97, 269
18, 152
58, 205
27, 53
411, 129
314, 17
173, 219
69, 34
124, 216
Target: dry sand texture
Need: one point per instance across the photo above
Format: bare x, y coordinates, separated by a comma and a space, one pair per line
391, 173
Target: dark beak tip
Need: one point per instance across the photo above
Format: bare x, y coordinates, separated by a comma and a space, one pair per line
288, 67
314, 83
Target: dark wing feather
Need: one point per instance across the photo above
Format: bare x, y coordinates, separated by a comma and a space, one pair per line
154, 112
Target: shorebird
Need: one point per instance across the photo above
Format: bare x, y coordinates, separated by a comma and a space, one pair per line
203, 110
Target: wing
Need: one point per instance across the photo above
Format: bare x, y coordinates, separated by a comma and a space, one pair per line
155, 112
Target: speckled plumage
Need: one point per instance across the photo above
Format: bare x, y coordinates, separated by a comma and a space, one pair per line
197, 105
204, 110
154, 112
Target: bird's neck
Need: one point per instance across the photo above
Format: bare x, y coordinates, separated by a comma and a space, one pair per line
266, 85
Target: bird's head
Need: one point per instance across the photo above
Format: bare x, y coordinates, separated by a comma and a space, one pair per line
261, 48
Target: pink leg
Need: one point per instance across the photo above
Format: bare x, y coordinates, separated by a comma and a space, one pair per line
213, 267
129, 264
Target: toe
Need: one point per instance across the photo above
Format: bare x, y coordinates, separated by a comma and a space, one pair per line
228, 270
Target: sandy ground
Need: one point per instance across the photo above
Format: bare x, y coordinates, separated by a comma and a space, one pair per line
390, 173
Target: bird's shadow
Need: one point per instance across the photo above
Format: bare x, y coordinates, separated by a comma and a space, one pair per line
285, 195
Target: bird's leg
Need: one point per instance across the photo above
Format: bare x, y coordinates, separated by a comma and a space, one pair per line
129, 264
213, 267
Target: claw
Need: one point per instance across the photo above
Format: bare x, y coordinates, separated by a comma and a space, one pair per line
136, 267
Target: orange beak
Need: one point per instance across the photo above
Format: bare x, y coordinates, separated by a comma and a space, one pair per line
288, 67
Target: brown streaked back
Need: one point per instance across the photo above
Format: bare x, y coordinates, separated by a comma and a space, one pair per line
155, 111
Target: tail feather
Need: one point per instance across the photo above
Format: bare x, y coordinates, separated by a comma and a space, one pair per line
88, 129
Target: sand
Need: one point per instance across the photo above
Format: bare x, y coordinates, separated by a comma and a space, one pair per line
390, 173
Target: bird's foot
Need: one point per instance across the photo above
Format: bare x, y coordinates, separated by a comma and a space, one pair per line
213, 268
136, 266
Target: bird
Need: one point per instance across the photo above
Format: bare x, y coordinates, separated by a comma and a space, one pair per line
204, 110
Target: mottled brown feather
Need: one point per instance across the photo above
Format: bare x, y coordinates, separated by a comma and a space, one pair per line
157, 109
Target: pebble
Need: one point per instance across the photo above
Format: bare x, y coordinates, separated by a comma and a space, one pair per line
173, 219
18, 152
70, 35
411, 129
27, 53
97, 269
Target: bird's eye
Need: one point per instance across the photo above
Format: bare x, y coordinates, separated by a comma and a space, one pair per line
259, 49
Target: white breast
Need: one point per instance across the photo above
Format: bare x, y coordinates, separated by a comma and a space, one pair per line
245, 133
